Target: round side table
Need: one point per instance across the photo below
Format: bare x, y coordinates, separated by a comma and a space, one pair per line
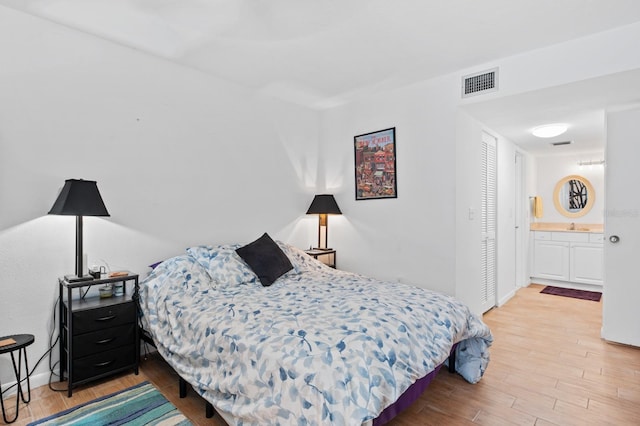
20, 345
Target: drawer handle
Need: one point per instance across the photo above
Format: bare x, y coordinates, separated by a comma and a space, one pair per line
104, 364
102, 342
110, 317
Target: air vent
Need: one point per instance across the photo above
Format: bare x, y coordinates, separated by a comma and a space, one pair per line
478, 83
561, 143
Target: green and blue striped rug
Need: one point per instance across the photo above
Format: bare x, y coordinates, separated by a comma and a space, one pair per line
139, 405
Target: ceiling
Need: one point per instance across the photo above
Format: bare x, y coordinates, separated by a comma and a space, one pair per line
324, 53
581, 105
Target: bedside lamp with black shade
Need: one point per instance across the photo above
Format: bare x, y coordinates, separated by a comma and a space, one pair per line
323, 205
79, 198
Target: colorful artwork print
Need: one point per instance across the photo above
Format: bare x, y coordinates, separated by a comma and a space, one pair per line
375, 165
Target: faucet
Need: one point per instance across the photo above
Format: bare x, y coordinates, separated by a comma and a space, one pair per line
572, 227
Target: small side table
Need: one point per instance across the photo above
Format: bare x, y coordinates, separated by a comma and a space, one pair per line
20, 345
326, 256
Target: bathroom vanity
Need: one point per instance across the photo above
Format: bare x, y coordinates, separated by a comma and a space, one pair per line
569, 254
568, 257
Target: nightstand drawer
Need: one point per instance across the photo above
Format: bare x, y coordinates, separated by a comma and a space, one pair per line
108, 316
103, 340
104, 362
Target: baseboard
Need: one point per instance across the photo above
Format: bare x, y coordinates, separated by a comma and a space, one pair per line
41, 379
35, 381
507, 297
565, 284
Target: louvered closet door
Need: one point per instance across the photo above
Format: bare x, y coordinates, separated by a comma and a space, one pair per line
488, 218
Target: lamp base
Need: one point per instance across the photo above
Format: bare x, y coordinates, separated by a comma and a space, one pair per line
76, 279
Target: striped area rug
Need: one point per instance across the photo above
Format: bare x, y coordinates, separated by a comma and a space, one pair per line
139, 405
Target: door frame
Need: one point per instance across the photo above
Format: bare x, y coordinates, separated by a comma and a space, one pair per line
521, 219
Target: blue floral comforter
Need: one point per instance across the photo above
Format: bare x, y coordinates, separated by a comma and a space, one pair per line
318, 347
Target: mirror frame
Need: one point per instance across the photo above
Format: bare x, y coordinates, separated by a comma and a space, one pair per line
591, 196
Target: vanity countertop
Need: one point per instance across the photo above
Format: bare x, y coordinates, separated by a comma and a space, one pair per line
567, 227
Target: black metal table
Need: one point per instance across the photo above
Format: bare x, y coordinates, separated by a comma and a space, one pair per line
20, 345
318, 253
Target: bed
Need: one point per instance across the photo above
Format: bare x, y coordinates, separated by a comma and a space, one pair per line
311, 345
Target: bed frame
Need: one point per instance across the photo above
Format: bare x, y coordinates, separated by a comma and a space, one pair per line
406, 399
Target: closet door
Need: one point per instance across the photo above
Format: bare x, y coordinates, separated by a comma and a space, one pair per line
488, 219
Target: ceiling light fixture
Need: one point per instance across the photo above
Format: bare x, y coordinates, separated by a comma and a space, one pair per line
550, 130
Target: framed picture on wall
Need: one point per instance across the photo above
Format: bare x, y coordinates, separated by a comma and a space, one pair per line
375, 164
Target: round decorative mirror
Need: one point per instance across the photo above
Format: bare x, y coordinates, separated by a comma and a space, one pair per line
574, 196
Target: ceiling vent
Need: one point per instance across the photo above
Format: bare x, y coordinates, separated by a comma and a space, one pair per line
561, 143
479, 83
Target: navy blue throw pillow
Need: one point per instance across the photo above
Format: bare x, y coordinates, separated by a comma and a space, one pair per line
266, 259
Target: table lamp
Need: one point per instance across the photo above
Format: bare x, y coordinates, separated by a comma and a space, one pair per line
79, 198
323, 205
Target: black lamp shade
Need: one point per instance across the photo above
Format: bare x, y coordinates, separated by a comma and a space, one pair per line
324, 204
79, 198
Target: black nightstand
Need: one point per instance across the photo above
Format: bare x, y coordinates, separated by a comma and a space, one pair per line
326, 256
98, 335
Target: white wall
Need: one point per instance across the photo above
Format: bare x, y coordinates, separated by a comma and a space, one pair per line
181, 158
597, 55
550, 169
468, 232
468, 227
411, 238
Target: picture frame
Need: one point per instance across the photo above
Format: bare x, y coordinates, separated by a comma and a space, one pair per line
375, 165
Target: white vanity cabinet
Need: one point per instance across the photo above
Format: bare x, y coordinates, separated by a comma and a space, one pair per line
568, 257
550, 257
587, 260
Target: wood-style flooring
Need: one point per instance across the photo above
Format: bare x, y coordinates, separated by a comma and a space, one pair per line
548, 366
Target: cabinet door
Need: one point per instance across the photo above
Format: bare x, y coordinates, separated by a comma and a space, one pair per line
586, 263
551, 260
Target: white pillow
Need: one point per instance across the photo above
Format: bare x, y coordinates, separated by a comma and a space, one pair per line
223, 264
